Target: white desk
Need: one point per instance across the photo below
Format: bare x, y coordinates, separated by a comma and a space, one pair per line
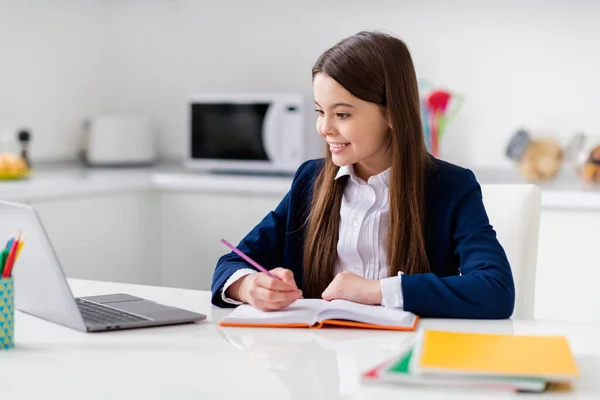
204, 361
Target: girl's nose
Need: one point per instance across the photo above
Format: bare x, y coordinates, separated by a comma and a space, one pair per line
326, 128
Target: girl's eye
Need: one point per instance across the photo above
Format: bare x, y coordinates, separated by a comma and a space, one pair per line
342, 115
319, 112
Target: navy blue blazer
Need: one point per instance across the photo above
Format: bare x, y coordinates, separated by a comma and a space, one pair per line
470, 275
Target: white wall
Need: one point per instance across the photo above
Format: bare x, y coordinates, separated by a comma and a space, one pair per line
52, 72
534, 65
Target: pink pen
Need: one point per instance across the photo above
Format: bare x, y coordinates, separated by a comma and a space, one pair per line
245, 257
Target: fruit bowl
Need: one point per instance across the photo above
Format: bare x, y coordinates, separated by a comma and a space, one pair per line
13, 167
14, 175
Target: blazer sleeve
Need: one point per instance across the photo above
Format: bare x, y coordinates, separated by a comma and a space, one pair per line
485, 288
264, 244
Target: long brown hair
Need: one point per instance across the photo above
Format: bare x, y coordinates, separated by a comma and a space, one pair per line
378, 68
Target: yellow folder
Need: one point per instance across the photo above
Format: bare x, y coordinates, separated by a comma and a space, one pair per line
547, 357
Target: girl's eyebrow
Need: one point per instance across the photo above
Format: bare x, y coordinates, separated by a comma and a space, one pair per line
340, 104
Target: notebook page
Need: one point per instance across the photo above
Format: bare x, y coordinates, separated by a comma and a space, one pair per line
375, 315
302, 311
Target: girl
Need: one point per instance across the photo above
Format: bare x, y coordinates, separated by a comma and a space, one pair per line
379, 220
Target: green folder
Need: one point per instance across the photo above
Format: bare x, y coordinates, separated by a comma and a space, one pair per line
401, 366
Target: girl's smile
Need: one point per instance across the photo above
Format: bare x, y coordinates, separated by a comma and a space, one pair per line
337, 148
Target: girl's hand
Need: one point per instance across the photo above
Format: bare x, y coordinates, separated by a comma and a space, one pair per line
349, 286
266, 293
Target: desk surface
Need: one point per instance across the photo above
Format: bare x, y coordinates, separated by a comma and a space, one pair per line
205, 361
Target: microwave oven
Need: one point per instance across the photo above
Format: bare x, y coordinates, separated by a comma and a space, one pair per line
251, 132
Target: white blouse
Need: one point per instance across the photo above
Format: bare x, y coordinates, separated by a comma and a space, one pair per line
362, 243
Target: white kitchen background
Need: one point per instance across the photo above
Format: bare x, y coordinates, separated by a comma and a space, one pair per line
533, 64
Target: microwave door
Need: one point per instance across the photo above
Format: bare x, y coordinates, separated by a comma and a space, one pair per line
229, 131
271, 139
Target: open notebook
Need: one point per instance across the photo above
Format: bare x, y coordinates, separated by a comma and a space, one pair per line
314, 313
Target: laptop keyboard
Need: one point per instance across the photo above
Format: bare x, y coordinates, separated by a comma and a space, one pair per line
98, 314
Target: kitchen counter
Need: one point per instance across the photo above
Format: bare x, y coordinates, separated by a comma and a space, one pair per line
72, 180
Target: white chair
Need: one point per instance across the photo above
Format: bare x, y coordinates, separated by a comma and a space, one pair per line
514, 213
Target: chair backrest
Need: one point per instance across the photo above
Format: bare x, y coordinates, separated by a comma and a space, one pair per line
514, 213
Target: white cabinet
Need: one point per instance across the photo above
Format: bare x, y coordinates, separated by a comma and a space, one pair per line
192, 225
105, 237
568, 273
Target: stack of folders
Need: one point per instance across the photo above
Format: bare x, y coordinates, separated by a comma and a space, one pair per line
505, 362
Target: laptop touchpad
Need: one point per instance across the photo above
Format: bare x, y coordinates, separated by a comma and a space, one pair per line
157, 312
141, 307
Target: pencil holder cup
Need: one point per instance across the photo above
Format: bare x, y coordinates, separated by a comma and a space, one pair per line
7, 313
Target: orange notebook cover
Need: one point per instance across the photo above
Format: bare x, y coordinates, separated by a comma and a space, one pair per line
547, 357
315, 313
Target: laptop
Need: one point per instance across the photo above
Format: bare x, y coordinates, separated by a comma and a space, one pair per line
42, 290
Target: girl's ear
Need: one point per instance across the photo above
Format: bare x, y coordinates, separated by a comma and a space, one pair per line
388, 116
